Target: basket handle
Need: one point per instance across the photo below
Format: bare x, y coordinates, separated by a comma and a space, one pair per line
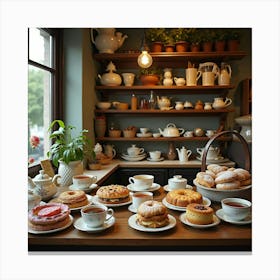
242, 140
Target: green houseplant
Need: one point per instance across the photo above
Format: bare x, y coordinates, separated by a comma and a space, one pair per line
220, 39
155, 36
207, 39
195, 39
150, 76
181, 38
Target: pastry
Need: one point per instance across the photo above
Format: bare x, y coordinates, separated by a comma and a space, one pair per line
229, 185
113, 194
245, 183
183, 197
211, 173
199, 214
205, 179
216, 168
49, 216
73, 199
226, 177
152, 214
242, 174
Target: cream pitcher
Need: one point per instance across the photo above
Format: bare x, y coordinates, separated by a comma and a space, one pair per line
220, 103
224, 75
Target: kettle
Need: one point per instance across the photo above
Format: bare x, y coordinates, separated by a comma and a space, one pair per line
44, 185
171, 131
224, 75
183, 154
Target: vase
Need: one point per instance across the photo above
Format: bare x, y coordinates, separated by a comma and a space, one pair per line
67, 171
171, 155
100, 126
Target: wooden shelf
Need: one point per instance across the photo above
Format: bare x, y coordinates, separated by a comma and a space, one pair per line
168, 59
159, 139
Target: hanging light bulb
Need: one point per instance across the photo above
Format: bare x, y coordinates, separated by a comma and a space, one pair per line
144, 60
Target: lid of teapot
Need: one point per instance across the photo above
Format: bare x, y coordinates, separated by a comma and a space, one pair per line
42, 176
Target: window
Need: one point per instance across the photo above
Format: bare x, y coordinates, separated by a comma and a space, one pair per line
44, 87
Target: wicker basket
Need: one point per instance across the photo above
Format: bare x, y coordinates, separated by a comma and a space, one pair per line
218, 195
129, 133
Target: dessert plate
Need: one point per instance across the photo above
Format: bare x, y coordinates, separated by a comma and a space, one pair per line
95, 200
80, 225
155, 160
52, 230
153, 188
220, 213
132, 209
167, 188
146, 135
218, 160
185, 221
134, 158
134, 224
206, 202
89, 189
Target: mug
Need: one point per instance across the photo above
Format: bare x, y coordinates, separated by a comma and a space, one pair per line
208, 78
140, 197
83, 181
192, 76
128, 79
142, 182
155, 154
96, 215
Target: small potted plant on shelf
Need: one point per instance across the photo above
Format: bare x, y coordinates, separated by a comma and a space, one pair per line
181, 38
150, 76
155, 36
67, 151
207, 39
220, 39
195, 39
169, 45
233, 40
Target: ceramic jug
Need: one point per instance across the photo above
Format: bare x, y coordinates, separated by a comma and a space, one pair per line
109, 151
209, 73
183, 154
220, 103
107, 41
224, 75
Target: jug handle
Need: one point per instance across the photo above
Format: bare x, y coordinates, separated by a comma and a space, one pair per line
189, 152
228, 101
199, 73
182, 130
171, 125
91, 36
229, 70
114, 153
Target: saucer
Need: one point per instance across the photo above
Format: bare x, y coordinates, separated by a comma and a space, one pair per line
220, 213
146, 135
218, 160
153, 188
167, 188
185, 221
87, 190
155, 160
132, 209
80, 225
133, 158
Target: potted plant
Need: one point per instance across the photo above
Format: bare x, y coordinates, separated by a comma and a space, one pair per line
220, 40
168, 41
150, 76
181, 38
195, 39
233, 40
155, 37
207, 39
67, 151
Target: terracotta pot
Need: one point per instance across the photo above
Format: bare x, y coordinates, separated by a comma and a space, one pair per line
207, 46
220, 46
232, 45
182, 46
195, 47
149, 80
169, 48
156, 47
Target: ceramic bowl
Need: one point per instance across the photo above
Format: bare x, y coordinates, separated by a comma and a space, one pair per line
103, 105
156, 135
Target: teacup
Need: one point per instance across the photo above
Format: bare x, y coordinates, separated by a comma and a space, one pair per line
188, 133
210, 132
128, 78
96, 215
134, 151
213, 152
155, 155
141, 182
144, 130
140, 197
83, 181
177, 182
236, 209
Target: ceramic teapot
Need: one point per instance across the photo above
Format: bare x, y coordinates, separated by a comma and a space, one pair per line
111, 78
134, 151
183, 154
171, 131
107, 40
220, 102
224, 75
163, 102
179, 81
44, 185
110, 151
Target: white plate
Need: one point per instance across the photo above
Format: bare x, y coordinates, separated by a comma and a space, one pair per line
95, 200
153, 188
155, 160
132, 157
220, 213
184, 220
220, 160
133, 223
132, 209
167, 188
206, 202
89, 189
129, 158
52, 230
80, 225
146, 135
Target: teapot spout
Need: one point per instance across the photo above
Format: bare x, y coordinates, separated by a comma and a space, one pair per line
120, 38
161, 132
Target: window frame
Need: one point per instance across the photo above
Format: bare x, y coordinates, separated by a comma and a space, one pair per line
56, 80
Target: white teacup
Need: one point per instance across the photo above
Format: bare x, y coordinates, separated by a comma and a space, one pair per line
83, 181
140, 197
177, 182
135, 151
141, 182
213, 152
236, 208
155, 155
192, 76
188, 133
144, 130
128, 79
96, 215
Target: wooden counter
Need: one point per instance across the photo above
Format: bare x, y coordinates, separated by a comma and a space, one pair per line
121, 237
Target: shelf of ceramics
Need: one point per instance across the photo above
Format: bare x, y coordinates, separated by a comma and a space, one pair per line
160, 139
165, 112
168, 59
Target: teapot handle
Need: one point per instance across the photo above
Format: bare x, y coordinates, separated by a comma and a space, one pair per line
181, 130
189, 152
171, 125
228, 101
114, 152
229, 70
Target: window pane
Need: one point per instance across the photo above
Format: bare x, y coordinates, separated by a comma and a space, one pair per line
39, 110
40, 44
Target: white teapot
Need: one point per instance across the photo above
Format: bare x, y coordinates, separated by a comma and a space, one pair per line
163, 102
220, 102
183, 154
44, 185
171, 131
111, 78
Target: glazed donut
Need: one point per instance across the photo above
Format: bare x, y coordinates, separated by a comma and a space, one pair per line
216, 168
225, 177
228, 186
50, 213
205, 179
199, 214
183, 197
72, 196
47, 227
